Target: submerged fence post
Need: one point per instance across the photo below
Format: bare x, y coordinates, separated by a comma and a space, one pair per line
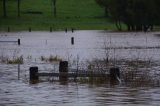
34, 74
18, 71
19, 42
63, 70
72, 40
114, 74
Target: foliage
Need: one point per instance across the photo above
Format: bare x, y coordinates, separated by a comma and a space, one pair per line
136, 14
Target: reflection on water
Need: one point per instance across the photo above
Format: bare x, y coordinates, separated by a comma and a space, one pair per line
88, 45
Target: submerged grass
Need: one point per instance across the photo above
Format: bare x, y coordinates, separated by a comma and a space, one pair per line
135, 73
15, 60
51, 59
18, 60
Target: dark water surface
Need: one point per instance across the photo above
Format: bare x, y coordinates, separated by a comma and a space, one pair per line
88, 45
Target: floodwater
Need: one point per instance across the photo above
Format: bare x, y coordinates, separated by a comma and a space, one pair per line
88, 45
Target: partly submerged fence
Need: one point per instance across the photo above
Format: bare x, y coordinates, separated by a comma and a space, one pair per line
18, 41
64, 73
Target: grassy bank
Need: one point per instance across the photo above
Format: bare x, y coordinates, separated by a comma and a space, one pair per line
78, 14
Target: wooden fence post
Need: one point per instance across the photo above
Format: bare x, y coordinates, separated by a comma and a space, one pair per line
72, 40
8, 29
72, 30
34, 74
63, 70
66, 30
29, 29
18, 71
19, 42
50, 29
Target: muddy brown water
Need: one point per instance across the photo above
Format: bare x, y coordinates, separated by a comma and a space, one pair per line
88, 45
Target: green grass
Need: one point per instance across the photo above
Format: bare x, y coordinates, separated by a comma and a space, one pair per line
78, 14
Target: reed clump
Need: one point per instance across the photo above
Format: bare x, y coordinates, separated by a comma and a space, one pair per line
50, 59
15, 60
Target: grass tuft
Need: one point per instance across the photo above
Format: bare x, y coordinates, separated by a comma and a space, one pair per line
51, 58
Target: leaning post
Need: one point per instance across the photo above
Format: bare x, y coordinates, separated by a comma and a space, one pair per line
114, 75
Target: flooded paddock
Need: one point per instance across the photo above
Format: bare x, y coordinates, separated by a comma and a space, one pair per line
137, 54
87, 44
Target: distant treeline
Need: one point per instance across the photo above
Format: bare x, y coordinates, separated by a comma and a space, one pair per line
137, 15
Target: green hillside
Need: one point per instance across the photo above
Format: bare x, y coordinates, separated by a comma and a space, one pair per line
78, 14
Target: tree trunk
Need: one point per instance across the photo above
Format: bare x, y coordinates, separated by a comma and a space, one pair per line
118, 25
139, 28
152, 27
55, 9
133, 27
106, 12
129, 27
4, 9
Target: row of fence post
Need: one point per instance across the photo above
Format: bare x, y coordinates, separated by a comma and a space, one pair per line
50, 29
63, 68
19, 41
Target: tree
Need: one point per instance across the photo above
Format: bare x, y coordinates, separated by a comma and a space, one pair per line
140, 14
135, 14
157, 8
104, 4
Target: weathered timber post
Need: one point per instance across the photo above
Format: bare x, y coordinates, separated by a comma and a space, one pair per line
29, 29
66, 30
50, 29
8, 29
72, 40
63, 70
18, 71
114, 75
19, 42
72, 30
34, 75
